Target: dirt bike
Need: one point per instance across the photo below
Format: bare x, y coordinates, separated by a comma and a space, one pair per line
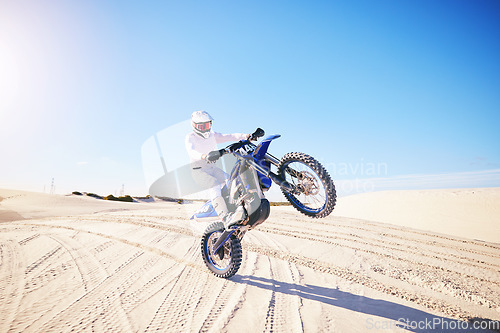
304, 182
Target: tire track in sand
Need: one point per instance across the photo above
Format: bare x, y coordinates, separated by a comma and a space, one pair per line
431, 239
106, 298
220, 304
11, 288
131, 243
114, 309
380, 245
177, 307
349, 275
89, 270
28, 239
404, 244
419, 273
283, 311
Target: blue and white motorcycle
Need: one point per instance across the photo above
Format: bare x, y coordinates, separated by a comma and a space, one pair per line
302, 179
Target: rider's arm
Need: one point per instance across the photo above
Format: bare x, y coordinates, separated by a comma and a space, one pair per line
220, 138
194, 155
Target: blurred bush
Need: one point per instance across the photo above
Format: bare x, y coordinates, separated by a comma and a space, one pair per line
126, 198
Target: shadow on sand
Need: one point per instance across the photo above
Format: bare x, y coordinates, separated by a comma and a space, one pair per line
391, 315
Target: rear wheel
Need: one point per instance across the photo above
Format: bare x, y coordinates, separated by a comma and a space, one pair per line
315, 194
227, 260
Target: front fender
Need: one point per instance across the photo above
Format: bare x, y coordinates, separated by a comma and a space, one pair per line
261, 150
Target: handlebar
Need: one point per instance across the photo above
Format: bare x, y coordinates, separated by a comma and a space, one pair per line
216, 154
259, 132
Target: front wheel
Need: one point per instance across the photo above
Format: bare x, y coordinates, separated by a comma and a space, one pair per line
314, 189
227, 260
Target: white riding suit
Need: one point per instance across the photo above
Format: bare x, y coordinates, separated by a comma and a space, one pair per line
207, 174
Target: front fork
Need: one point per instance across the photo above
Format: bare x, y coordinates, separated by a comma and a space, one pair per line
222, 240
239, 231
280, 180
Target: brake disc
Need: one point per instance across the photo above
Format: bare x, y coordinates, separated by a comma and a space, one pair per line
308, 184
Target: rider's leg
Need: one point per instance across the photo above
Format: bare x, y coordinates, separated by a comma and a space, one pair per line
213, 178
219, 179
229, 218
219, 204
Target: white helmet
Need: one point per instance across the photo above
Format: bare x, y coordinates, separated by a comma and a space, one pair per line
202, 123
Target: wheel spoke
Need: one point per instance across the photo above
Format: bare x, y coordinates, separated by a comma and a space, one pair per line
302, 176
219, 262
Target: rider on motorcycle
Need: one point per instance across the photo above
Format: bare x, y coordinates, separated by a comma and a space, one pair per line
199, 143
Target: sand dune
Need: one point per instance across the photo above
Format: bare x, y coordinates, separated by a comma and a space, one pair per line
18, 205
467, 213
118, 267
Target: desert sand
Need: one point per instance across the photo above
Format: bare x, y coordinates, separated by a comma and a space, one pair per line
71, 263
468, 213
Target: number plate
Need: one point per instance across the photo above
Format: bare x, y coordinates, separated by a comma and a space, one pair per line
246, 149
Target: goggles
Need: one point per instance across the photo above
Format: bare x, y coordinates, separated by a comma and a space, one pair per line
203, 127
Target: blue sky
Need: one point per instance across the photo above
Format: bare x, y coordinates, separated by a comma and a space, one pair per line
410, 85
